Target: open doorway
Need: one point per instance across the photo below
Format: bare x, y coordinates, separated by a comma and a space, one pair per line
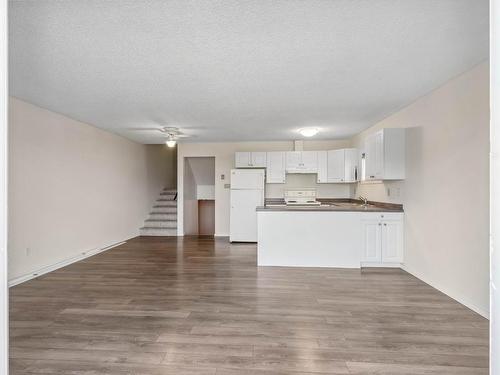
199, 196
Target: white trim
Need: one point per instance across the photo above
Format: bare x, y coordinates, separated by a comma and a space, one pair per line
380, 265
459, 298
62, 263
494, 188
221, 235
4, 291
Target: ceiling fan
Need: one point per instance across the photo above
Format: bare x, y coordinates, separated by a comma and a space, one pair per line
172, 134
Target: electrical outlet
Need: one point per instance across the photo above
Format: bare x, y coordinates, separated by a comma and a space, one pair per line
28, 251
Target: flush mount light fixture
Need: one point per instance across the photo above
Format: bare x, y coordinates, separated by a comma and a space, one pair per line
308, 132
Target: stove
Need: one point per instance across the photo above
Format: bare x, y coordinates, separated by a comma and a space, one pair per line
301, 197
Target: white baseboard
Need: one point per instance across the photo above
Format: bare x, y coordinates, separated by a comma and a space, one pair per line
52, 267
379, 265
461, 299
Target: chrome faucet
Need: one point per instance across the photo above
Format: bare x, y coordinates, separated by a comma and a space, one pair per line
364, 200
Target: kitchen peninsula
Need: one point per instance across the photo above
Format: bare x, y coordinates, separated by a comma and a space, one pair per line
338, 233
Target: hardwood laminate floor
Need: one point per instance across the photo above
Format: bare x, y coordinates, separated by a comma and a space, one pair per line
190, 305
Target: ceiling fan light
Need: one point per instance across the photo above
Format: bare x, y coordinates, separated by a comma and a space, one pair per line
308, 132
170, 143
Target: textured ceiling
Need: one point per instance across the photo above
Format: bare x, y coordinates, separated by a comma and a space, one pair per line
239, 70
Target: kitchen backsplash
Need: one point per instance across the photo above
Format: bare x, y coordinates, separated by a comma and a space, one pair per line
308, 181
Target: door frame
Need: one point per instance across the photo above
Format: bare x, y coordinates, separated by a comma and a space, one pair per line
494, 188
4, 290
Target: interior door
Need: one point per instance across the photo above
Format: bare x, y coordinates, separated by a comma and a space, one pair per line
336, 166
372, 242
392, 242
243, 217
206, 217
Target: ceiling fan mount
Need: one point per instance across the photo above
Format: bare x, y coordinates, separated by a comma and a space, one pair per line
173, 134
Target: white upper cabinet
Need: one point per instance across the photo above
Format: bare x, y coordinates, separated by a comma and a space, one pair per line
242, 159
250, 159
302, 161
343, 165
384, 155
351, 168
259, 159
293, 160
275, 170
336, 169
322, 177
310, 160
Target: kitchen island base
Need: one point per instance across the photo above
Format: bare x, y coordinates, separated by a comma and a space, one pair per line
321, 238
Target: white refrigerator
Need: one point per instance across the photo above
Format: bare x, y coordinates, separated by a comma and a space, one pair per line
247, 192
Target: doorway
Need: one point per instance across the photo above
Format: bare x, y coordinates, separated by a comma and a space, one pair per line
199, 196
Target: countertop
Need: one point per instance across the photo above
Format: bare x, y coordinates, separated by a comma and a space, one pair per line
342, 205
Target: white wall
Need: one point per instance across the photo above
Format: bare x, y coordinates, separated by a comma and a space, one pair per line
205, 192
4, 299
495, 190
445, 194
73, 187
224, 162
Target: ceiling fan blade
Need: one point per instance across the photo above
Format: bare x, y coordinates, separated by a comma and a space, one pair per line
145, 129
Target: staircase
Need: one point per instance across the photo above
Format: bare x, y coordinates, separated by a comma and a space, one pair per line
162, 219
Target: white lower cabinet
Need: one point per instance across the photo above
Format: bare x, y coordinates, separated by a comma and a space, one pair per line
372, 241
382, 240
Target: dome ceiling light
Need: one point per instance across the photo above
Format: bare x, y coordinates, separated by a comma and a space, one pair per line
308, 132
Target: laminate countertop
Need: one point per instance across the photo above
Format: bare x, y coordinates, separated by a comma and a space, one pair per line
341, 205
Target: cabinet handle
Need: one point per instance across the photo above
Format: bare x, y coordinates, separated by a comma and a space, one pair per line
385, 224
379, 224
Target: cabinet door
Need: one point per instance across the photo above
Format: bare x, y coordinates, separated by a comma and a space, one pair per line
370, 156
294, 160
242, 159
310, 161
379, 155
392, 242
351, 170
258, 159
336, 166
322, 167
275, 172
372, 243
